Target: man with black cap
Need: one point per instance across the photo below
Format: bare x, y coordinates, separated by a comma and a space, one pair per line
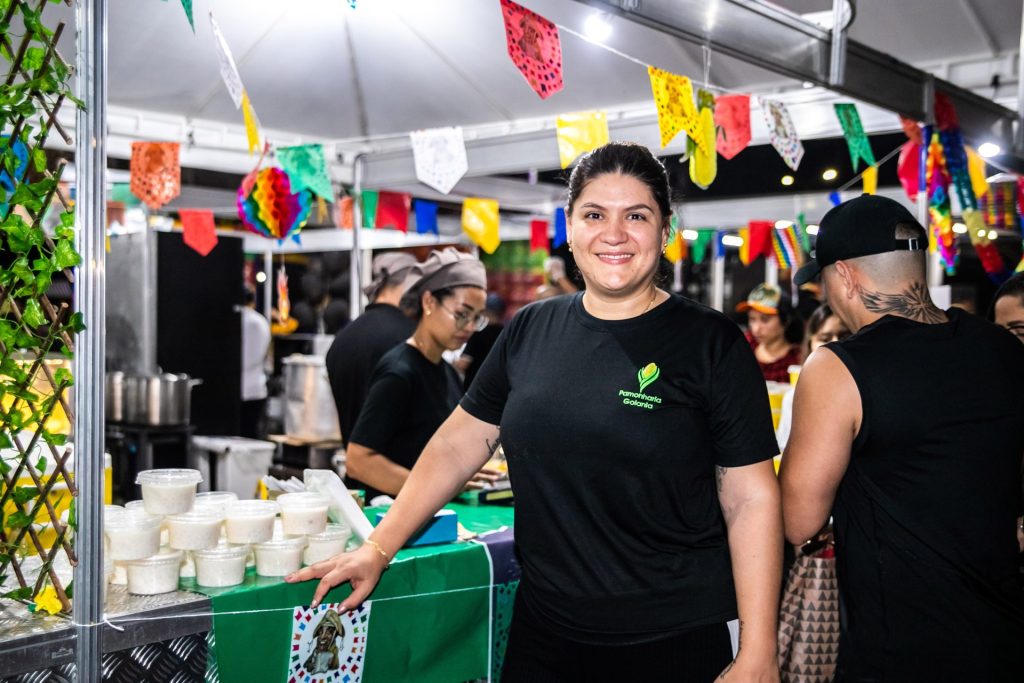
359, 345
910, 434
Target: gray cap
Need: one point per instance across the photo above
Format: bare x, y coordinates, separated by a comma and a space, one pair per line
389, 269
446, 269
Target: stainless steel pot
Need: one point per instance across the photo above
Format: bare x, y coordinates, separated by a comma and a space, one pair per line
158, 399
113, 397
309, 412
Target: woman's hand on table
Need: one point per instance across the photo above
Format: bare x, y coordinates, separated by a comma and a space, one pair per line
484, 478
361, 568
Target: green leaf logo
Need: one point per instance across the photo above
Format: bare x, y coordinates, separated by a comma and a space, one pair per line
647, 375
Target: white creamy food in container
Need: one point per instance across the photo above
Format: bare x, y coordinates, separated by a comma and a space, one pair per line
326, 544
195, 530
168, 491
154, 575
221, 566
250, 521
280, 556
131, 535
303, 513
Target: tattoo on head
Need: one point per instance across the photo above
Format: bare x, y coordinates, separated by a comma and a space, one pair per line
720, 475
914, 302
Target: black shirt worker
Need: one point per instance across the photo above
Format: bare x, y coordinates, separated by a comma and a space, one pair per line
358, 346
910, 433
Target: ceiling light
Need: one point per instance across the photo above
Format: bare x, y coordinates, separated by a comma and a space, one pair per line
732, 241
690, 235
786, 180
992, 234
989, 149
782, 225
812, 229
830, 174
597, 27
261, 277
959, 228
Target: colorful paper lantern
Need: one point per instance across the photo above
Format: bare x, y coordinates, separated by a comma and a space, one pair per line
268, 207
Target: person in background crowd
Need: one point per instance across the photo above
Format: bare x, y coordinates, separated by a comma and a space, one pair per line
556, 282
359, 345
480, 344
823, 327
413, 390
1008, 306
255, 344
774, 331
639, 442
910, 434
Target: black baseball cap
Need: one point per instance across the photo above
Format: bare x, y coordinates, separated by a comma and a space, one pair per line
861, 227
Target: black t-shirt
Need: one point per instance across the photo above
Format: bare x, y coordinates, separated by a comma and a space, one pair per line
354, 354
477, 348
612, 431
409, 398
924, 517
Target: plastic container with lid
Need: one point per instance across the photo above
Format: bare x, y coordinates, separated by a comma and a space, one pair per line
154, 575
280, 556
326, 544
303, 513
221, 566
131, 535
250, 521
214, 500
195, 530
168, 491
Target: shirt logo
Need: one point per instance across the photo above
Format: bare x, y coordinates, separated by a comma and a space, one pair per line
645, 376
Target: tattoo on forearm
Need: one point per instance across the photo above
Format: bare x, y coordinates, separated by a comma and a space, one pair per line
720, 475
492, 447
914, 303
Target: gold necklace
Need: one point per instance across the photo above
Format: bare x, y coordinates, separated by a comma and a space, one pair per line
654, 295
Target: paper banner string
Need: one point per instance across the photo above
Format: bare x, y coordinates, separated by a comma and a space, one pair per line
534, 47
790, 235
782, 133
252, 133
805, 239
744, 250
187, 6
676, 249
538, 235
835, 197
560, 232
580, 133
673, 96
699, 247
228, 70
426, 217
912, 129
440, 157
908, 168
155, 172
393, 210
976, 172
199, 230
732, 117
307, 168
937, 181
480, 221
344, 213
369, 206
945, 113
870, 177
268, 207
760, 239
704, 158
856, 140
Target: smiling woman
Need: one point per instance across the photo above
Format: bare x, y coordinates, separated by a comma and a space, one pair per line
639, 442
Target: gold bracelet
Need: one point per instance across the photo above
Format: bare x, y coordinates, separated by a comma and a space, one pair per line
379, 550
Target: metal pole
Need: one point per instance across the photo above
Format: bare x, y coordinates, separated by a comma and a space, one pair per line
718, 277
837, 61
268, 285
90, 293
355, 294
771, 271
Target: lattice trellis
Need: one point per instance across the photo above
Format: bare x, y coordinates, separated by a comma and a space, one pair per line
31, 327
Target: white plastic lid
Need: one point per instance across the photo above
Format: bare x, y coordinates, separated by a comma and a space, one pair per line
252, 508
286, 543
222, 552
214, 499
203, 515
168, 477
135, 505
333, 532
163, 558
131, 519
302, 499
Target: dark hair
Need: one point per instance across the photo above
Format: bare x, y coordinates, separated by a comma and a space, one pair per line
1012, 287
416, 303
248, 295
792, 323
817, 319
626, 158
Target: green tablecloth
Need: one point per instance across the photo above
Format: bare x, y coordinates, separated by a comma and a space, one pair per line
429, 618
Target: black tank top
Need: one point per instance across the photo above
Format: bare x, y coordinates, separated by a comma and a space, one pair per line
925, 515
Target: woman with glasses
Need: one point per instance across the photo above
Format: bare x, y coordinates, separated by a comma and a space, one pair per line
413, 390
